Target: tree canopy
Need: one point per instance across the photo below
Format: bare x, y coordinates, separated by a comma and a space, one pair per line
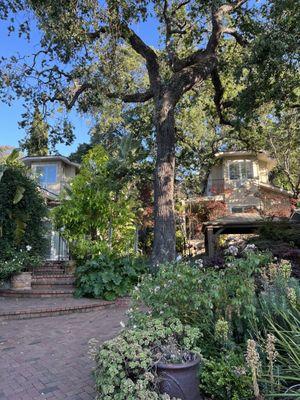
36, 142
241, 54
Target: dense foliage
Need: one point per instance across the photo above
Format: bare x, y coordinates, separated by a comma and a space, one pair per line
18, 262
22, 211
96, 214
247, 314
202, 296
108, 277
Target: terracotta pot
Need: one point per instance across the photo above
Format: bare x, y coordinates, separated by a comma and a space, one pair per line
21, 281
180, 380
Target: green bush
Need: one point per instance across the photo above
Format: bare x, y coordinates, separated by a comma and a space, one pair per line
22, 210
126, 365
108, 277
283, 232
97, 212
226, 378
200, 297
20, 261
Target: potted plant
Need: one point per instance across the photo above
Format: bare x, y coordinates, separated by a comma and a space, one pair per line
177, 371
18, 269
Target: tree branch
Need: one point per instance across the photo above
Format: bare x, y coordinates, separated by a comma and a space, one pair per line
218, 97
139, 46
138, 97
217, 17
238, 37
217, 22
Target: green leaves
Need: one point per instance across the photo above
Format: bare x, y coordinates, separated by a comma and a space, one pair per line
19, 194
96, 212
108, 277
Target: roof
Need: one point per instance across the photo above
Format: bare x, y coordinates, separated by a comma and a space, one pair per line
275, 189
244, 220
28, 160
235, 219
261, 155
296, 215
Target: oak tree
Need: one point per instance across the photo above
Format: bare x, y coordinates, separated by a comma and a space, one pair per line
82, 62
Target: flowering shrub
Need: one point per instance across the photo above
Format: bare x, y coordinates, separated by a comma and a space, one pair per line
126, 365
200, 296
178, 289
18, 262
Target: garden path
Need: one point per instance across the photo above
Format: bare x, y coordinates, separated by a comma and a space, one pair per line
46, 358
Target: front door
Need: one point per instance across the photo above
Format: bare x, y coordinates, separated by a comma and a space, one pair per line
56, 247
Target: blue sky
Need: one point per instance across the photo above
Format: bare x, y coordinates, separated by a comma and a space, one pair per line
10, 133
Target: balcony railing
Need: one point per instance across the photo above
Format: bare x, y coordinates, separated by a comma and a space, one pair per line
217, 187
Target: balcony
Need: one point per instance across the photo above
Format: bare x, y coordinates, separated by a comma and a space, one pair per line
217, 187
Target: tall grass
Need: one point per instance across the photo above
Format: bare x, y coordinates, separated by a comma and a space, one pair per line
287, 334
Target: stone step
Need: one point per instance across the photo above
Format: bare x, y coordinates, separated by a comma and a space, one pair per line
53, 286
55, 263
47, 271
37, 293
58, 279
48, 308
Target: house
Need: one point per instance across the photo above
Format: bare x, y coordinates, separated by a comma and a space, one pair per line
53, 173
241, 180
239, 194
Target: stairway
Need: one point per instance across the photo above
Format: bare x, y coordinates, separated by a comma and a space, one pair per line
49, 280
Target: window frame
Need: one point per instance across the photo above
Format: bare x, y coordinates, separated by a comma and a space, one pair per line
240, 164
243, 207
46, 183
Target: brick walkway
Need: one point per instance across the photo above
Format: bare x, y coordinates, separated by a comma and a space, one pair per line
46, 358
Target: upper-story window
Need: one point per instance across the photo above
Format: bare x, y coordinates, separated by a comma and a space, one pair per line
240, 170
46, 174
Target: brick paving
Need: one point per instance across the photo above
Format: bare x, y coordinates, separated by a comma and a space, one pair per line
14, 304
21, 308
46, 358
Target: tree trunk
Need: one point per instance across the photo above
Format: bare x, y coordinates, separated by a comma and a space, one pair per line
164, 216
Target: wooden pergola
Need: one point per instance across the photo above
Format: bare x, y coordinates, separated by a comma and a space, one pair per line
232, 224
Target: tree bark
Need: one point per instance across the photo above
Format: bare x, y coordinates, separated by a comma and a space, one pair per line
164, 215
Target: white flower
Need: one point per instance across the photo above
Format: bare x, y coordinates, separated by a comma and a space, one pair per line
122, 324
179, 258
233, 250
199, 262
28, 247
250, 247
156, 289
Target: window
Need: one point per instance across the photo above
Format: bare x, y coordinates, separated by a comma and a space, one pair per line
240, 170
243, 209
47, 174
